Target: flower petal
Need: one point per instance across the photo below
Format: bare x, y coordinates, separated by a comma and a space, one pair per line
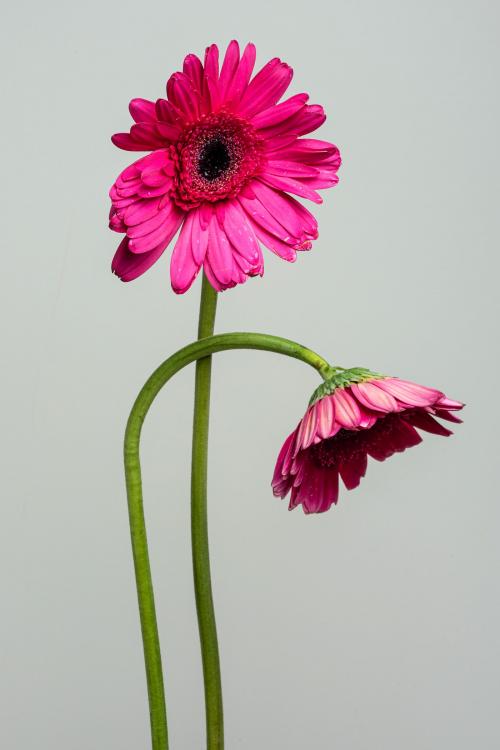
129, 266
266, 88
347, 411
183, 265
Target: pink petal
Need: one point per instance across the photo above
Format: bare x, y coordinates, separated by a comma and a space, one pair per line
307, 119
219, 255
347, 412
193, 70
125, 142
444, 414
284, 168
449, 404
181, 94
277, 246
240, 233
229, 68
279, 112
326, 417
211, 73
148, 226
374, 398
129, 266
160, 236
266, 88
240, 80
183, 266
354, 469
142, 110
424, 421
410, 394
285, 210
141, 211
278, 476
289, 185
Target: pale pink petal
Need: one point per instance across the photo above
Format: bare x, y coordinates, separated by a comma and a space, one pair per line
347, 411
326, 417
449, 404
374, 398
411, 394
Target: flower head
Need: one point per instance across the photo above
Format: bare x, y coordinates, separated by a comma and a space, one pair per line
224, 156
355, 414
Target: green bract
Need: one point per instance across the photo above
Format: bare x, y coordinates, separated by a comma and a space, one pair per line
342, 379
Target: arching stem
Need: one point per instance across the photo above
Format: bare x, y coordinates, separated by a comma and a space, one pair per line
195, 351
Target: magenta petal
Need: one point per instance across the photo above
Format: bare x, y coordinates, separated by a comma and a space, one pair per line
444, 414
129, 266
266, 88
183, 266
290, 185
279, 112
240, 233
125, 142
353, 469
142, 110
229, 68
239, 83
161, 235
421, 419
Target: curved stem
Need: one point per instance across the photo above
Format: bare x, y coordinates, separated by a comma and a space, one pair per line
197, 350
199, 530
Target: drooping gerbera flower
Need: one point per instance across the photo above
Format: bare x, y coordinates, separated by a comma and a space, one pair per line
354, 415
224, 157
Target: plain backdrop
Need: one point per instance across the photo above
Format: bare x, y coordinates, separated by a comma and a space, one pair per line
375, 625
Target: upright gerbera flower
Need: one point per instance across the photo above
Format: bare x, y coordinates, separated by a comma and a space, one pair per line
224, 157
354, 415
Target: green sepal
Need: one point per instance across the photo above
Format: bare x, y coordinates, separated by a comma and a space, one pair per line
342, 379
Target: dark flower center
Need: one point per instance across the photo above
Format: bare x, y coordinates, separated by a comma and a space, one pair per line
214, 159
327, 453
388, 435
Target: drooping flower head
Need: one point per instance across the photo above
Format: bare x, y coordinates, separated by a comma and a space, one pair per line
355, 414
224, 157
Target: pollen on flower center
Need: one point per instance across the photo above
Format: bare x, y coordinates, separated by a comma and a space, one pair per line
215, 158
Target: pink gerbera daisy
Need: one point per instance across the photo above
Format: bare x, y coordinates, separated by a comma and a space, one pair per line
224, 156
354, 415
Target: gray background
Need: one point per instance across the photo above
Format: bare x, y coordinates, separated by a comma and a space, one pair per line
375, 625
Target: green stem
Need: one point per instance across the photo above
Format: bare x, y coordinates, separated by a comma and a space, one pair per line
199, 529
197, 350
